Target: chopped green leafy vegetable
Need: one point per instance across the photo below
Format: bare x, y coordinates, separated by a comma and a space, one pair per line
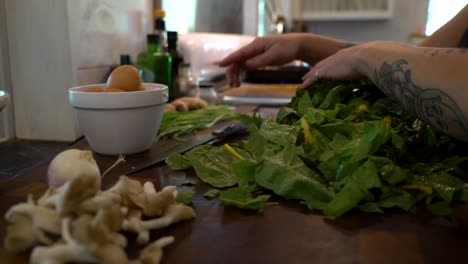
242, 198
339, 146
176, 124
185, 197
212, 165
178, 161
211, 194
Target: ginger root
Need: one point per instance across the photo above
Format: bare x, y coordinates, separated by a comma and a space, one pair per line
185, 104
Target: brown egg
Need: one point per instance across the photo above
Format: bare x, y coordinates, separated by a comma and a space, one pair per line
113, 90
125, 77
93, 89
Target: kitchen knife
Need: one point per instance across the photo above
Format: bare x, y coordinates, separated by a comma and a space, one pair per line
211, 135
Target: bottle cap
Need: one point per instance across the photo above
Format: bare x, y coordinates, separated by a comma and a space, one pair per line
159, 13
152, 38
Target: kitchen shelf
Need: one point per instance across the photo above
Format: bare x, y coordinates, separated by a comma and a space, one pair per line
342, 10
346, 15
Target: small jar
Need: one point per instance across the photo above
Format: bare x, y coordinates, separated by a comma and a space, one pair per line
207, 92
183, 84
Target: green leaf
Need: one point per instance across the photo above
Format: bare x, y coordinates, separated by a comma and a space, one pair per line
286, 115
443, 183
250, 121
336, 95
386, 106
355, 190
398, 141
376, 133
397, 198
314, 204
440, 208
185, 197
282, 135
393, 174
256, 144
178, 162
287, 175
245, 173
370, 207
211, 194
212, 165
462, 194
338, 127
305, 103
243, 199
176, 124
330, 162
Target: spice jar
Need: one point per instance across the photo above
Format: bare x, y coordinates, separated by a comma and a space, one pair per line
207, 92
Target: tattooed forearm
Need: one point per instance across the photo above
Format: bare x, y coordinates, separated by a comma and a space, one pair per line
431, 105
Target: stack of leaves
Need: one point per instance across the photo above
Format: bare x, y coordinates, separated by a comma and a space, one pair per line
338, 146
176, 124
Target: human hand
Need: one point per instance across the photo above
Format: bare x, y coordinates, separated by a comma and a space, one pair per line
272, 50
346, 64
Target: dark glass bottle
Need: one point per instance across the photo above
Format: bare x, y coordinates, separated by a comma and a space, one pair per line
177, 59
125, 59
160, 27
156, 64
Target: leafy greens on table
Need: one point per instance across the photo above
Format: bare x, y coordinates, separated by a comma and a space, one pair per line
338, 146
176, 124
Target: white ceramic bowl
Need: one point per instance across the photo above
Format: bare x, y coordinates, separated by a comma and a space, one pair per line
119, 123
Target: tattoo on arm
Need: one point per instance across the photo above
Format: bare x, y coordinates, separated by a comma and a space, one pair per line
431, 105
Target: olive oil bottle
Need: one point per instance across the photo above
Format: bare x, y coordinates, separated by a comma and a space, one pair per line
156, 64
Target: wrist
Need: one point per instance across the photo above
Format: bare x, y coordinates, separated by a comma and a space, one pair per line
365, 53
314, 48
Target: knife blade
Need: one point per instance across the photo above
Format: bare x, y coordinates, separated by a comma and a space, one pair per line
208, 136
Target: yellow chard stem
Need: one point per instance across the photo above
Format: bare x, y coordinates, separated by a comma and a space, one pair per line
309, 138
421, 187
233, 152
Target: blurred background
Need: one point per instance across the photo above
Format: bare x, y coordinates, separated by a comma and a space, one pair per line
49, 46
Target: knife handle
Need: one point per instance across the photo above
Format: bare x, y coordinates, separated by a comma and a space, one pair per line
231, 129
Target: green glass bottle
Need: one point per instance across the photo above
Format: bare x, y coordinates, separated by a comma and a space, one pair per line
156, 64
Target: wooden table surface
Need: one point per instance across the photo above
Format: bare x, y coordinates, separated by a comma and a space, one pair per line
284, 232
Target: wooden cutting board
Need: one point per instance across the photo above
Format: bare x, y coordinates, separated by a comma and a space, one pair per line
263, 90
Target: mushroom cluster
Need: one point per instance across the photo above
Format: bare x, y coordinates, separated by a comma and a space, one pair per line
78, 222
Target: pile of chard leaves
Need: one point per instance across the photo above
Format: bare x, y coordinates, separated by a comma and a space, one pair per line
338, 146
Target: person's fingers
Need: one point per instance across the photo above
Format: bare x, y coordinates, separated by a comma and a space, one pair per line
243, 54
230, 75
310, 77
261, 60
233, 73
319, 71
